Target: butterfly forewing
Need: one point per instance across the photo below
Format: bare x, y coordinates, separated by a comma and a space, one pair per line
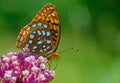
42, 35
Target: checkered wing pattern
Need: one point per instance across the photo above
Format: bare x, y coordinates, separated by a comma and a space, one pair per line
42, 35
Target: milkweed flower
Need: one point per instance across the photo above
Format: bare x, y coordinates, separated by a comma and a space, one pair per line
24, 68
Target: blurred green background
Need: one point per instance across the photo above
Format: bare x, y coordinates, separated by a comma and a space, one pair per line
92, 26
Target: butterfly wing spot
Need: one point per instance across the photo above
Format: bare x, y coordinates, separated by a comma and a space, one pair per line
48, 41
53, 14
55, 35
41, 50
31, 36
56, 21
39, 33
34, 32
45, 26
20, 44
44, 46
48, 9
34, 25
39, 42
51, 8
26, 46
48, 47
47, 19
28, 28
24, 33
39, 24
44, 11
43, 32
33, 50
30, 41
34, 47
48, 33
45, 49
21, 39
50, 51
42, 14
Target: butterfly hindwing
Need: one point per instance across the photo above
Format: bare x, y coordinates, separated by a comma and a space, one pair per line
42, 35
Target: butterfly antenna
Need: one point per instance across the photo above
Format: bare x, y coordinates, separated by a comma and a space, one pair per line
70, 49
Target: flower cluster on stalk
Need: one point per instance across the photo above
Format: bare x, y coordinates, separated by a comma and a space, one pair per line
24, 68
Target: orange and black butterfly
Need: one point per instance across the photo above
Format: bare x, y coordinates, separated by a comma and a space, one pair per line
42, 35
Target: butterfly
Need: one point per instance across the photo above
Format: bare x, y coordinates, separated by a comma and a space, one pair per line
42, 35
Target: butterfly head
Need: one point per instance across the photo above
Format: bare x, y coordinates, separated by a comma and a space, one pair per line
53, 56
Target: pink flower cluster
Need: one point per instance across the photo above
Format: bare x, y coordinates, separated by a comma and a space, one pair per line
24, 68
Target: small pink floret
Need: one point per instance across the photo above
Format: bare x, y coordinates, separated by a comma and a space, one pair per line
24, 68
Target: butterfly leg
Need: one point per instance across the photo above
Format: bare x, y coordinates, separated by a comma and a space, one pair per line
49, 64
55, 65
